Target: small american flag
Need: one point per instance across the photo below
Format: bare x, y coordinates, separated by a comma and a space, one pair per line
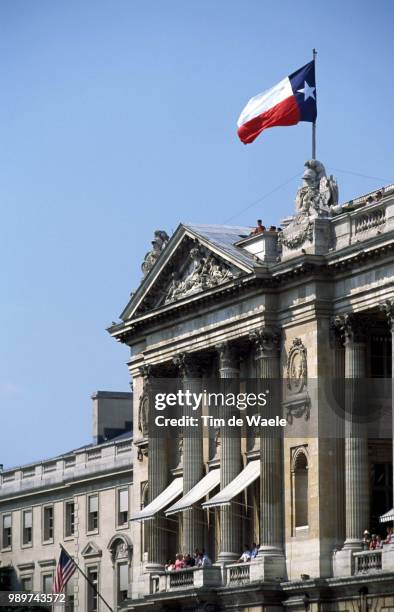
65, 569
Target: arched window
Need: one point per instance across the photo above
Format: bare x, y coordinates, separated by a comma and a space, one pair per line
120, 548
300, 488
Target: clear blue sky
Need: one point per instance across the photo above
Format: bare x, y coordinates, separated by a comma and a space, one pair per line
118, 118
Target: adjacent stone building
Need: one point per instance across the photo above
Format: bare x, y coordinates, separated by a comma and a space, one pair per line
80, 499
310, 305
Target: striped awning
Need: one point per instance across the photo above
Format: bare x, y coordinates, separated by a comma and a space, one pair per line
200, 490
160, 502
245, 478
389, 516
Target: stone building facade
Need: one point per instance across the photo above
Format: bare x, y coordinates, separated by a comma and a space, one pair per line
310, 305
82, 500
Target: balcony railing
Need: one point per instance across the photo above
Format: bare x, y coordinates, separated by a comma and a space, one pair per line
188, 578
238, 573
367, 561
181, 579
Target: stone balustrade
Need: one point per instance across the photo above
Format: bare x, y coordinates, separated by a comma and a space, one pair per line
358, 220
237, 573
185, 579
367, 561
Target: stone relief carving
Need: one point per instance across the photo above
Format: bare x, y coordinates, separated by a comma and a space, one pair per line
296, 367
298, 403
159, 243
143, 414
143, 408
120, 550
297, 233
205, 271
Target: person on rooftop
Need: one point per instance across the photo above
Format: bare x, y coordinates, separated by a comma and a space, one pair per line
259, 229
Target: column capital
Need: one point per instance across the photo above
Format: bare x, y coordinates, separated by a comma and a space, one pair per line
146, 371
228, 357
266, 341
186, 365
388, 309
351, 328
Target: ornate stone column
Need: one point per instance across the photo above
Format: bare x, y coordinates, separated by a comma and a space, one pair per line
388, 309
193, 523
157, 479
271, 460
353, 330
230, 462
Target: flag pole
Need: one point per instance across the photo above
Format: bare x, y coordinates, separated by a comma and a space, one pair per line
314, 53
87, 579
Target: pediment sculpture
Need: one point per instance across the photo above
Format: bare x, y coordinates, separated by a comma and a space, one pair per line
204, 271
159, 243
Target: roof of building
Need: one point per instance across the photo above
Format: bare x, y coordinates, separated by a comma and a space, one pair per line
126, 435
225, 237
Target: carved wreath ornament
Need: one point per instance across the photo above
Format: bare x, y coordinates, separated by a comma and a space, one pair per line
295, 240
297, 367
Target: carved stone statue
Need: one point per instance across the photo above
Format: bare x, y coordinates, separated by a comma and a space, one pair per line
318, 192
159, 243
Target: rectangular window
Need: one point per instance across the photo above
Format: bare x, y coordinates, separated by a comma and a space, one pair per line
27, 583
47, 582
123, 581
92, 573
70, 595
7, 531
93, 516
123, 507
69, 526
48, 523
27, 527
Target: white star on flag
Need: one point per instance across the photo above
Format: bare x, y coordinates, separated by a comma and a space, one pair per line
307, 91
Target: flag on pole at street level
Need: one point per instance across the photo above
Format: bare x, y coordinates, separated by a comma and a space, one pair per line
64, 570
292, 100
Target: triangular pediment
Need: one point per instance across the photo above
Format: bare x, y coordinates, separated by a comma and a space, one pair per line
190, 264
91, 550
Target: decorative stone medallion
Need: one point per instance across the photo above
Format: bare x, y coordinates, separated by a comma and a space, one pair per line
296, 367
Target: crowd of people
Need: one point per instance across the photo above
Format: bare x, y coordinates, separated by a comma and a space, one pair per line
374, 541
201, 559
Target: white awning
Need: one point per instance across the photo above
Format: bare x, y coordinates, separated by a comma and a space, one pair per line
202, 488
161, 501
245, 478
389, 516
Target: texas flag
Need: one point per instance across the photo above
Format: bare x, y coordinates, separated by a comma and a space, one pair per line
290, 101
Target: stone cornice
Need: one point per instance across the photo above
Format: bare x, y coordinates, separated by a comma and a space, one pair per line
272, 278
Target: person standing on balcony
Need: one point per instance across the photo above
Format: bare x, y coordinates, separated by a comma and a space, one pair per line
246, 555
366, 540
206, 561
179, 563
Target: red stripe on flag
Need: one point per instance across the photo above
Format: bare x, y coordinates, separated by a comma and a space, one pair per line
284, 113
